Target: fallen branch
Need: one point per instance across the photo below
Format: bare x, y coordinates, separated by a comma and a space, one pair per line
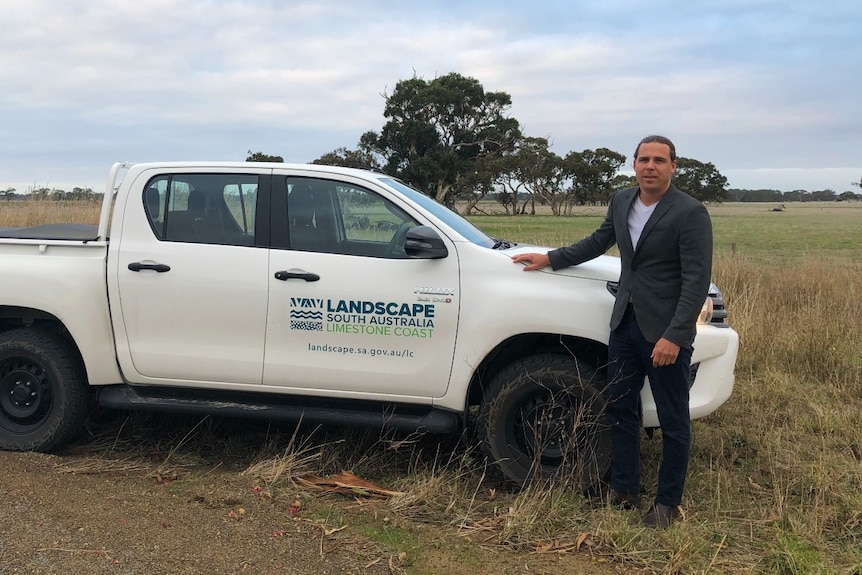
346, 483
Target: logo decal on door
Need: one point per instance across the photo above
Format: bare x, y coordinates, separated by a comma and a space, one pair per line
363, 317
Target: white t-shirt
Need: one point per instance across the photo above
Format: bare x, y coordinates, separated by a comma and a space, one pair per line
638, 216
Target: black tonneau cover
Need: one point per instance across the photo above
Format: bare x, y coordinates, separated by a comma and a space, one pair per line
79, 232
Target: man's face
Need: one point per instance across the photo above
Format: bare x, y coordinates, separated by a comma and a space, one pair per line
654, 168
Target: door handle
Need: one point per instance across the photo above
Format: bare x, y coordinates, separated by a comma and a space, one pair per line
138, 266
290, 275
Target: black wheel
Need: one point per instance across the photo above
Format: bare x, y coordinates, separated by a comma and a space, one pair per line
543, 418
44, 396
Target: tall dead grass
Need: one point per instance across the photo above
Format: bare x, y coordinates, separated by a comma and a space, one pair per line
799, 319
781, 462
24, 213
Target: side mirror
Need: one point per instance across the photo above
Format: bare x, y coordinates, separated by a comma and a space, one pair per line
423, 242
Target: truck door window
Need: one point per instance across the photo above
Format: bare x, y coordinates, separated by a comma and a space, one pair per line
335, 217
202, 208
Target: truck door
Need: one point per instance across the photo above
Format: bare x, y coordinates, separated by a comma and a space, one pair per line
189, 291
349, 311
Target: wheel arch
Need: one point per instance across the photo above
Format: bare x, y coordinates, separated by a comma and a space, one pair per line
12, 317
523, 345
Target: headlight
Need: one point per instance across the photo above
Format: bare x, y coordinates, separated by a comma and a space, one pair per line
705, 315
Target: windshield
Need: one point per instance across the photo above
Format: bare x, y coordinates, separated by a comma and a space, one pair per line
450, 218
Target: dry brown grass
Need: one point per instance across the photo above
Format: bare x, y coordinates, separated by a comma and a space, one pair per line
785, 453
26, 213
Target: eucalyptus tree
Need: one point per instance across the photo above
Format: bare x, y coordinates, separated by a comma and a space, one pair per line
445, 136
261, 157
524, 175
701, 180
592, 176
359, 158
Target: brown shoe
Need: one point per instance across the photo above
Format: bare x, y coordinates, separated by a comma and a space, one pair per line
623, 500
661, 516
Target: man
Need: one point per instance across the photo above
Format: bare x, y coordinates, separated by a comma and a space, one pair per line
665, 241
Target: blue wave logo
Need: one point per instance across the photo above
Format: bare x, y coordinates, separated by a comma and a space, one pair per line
300, 314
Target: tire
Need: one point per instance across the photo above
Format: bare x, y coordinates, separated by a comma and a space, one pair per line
543, 419
44, 396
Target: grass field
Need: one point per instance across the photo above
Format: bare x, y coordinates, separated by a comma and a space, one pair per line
775, 481
803, 230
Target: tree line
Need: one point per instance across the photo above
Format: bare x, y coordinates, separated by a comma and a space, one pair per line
767, 195
51, 194
456, 142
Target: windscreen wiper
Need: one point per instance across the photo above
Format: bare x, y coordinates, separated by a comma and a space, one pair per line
502, 244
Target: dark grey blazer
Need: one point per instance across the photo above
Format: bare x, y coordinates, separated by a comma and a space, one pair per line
667, 277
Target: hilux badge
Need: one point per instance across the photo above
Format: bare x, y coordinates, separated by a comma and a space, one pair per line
434, 291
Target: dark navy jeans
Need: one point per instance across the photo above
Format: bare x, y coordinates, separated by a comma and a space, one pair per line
629, 357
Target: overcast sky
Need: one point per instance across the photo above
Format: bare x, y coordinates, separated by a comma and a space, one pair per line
768, 91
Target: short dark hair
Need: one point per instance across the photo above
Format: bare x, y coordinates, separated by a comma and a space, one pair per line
657, 140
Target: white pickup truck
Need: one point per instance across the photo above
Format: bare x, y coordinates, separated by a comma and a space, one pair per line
325, 294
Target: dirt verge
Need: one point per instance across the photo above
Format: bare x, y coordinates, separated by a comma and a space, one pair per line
80, 513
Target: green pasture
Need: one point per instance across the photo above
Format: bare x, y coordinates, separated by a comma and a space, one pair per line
831, 231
